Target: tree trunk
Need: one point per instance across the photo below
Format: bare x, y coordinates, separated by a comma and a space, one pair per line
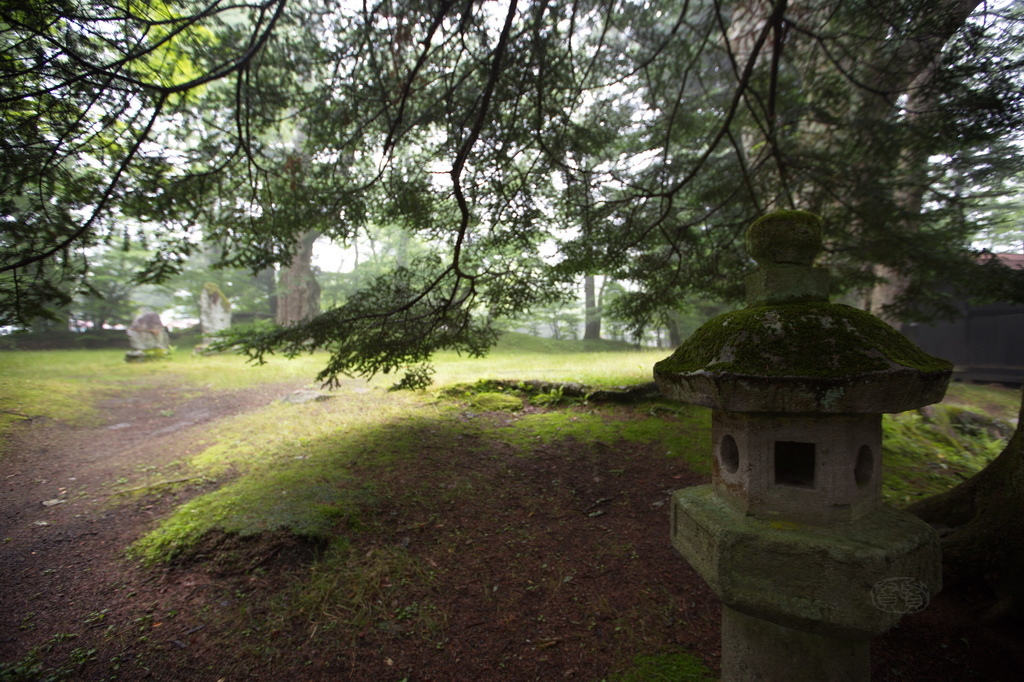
675, 336
592, 313
885, 293
402, 248
981, 522
298, 293
267, 281
922, 102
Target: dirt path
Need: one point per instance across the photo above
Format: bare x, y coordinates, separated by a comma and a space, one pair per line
63, 527
537, 577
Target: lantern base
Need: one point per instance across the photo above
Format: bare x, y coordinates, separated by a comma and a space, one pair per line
853, 580
754, 649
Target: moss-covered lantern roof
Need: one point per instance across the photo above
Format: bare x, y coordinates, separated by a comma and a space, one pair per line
790, 350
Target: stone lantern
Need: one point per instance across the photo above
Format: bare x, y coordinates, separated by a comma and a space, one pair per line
791, 534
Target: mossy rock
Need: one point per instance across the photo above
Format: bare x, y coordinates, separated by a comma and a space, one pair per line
497, 402
213, 291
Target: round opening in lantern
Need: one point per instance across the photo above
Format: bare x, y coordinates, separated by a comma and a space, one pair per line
729, 455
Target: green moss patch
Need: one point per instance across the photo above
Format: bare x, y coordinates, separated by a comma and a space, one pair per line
815, 339
259, 503
683, 432
927, 454
669, 666
288, 468
497, 402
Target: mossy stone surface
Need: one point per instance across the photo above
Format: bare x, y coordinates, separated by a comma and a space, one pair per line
779, 286
215, 294
802, 357
812, 339
817, 580
791, 350
784, 238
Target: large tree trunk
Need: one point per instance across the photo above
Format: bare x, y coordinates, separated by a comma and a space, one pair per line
675, 335
922, 102
900, 67
909, 71
298, 293
267, 280
592, 314
982, 524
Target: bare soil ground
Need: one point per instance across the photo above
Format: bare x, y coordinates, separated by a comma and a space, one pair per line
551, 566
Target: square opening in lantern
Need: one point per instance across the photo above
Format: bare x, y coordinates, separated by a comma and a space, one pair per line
794, 464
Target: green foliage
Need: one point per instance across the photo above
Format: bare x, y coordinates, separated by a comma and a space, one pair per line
32, 666
248, 294
109, 286
392, 326
554, 397
497, 184
560, 320
415, 378
927, 455
84, 90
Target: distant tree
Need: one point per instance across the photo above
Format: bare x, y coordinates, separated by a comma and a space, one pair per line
298, 292
591, 309
109, 285
643, 139
83, 88
249, 294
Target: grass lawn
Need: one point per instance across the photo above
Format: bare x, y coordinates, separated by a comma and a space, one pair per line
309, 470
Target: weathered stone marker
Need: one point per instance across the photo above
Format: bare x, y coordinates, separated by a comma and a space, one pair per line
791, 534
214, 313
147, 335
